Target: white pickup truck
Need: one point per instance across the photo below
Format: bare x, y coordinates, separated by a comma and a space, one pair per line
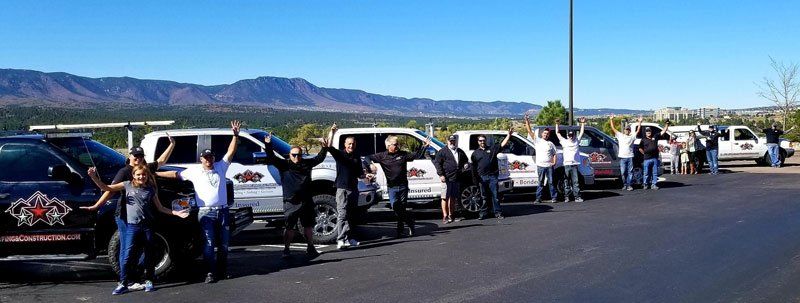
520, 155
737, 142
257, 185
423, 183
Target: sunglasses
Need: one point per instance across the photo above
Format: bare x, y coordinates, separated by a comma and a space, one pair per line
295, 155
481, 140
138, 156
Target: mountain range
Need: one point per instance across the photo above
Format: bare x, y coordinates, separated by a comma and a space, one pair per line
58, 89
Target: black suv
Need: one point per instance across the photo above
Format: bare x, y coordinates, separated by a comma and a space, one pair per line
43, 182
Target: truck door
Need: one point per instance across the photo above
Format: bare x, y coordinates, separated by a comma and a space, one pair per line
520, 165
423, 182
40, 195
254, 185
744, 143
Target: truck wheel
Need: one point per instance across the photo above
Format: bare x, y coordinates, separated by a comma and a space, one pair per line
165, 264
782, 156
766, 160
325, 210
471, 199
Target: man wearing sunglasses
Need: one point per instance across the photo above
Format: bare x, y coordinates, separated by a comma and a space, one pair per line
211, 195
296, 182
571, 161
485, 170
394, 163
135, 157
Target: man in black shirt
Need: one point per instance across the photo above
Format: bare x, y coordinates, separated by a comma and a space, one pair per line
297, 202
394, 163
348, 169
712, 147
450, 162
485, 171
649, 148
773, 143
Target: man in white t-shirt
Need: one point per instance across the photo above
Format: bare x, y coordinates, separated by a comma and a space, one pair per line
545, 161
211, 196
569, 146
625, 154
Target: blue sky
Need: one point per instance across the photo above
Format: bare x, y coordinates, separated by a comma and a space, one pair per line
628, 54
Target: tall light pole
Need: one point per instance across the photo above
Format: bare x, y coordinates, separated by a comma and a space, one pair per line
571, 114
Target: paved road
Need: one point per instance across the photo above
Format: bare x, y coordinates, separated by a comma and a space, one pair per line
730, 238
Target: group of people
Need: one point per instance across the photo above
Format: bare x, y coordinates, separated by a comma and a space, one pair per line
135, 213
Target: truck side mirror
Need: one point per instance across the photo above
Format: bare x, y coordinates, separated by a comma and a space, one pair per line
59, 172
260, 157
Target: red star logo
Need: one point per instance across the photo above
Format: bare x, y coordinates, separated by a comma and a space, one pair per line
39, 211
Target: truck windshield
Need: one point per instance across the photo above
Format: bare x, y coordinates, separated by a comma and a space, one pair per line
433, 140
280, 146
98, 155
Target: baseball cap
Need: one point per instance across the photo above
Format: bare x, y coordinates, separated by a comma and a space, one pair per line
451, 138
206, 152
137, 151
571, 133
647, 129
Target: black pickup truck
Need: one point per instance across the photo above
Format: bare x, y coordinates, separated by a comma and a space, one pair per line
43, 182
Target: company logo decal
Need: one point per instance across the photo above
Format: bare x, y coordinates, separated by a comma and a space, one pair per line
39, 208
248, 176
746, 146
517, 165
414, 172
597, 157
664, 148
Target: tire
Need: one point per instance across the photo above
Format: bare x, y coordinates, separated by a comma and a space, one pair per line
165, 254
782, 156
326, 218
471, 200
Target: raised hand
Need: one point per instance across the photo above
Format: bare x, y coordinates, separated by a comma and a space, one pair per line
640, 119
612, 116
582, 120
235, 126
511, 130
268, 138
171, 139
92, 172
558, 121
324, 142
334, 127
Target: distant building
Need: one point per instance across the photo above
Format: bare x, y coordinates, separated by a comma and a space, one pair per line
709, 112
674, 114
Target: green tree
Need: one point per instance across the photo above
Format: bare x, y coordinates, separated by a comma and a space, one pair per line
552, 111
412, 124
306, 136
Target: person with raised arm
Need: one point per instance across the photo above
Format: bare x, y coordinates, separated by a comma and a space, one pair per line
648, 146
141, 204
545, 161
348, 169
211, 195
773, 143
712, 147
297, 203
572, 160
135, 157
626, 140
485, 171
394, 163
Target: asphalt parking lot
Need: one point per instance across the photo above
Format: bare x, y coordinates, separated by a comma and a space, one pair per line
728, 238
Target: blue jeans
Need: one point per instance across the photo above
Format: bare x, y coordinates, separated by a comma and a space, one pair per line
398, 195
489, 194
138, 239
214, 223
542, 172
650, 172
571, 182
626, 170
774, 154
712, 155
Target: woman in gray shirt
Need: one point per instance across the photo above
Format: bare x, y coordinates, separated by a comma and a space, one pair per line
142, 199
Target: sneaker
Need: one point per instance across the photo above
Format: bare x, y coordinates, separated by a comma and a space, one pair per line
654, 187
630, 188
148, 286
553, 201
286, 254
353, 243
498, 215
578, 199
412, 230
136, 287
538, 201
121, 289
624, 187
342, 245
645, 187
480, 218
210, 278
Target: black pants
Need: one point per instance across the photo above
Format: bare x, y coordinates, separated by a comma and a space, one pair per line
398, 195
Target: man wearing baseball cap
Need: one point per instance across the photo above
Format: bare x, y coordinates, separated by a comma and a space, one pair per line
451, 163
485, 170
572, 159
211, 196
648, 146
773, 143
625, 151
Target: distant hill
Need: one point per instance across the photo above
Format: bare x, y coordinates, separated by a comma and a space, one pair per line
27, 87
